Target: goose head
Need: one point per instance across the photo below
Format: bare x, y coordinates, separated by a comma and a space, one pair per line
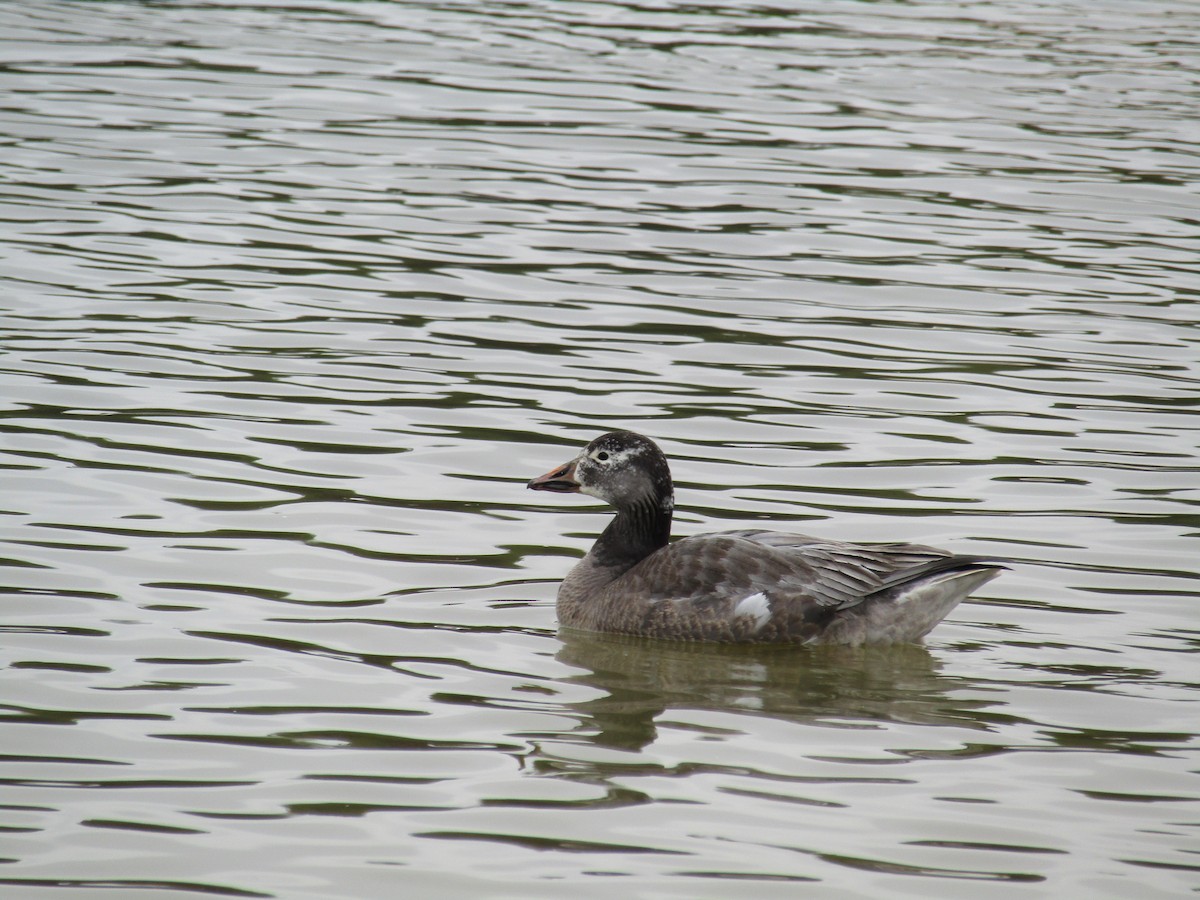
624, 469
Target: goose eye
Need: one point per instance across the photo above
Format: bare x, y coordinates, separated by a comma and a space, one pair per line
602, 456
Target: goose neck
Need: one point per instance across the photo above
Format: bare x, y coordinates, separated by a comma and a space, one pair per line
635, 532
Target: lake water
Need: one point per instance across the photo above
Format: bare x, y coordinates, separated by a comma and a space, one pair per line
298, 295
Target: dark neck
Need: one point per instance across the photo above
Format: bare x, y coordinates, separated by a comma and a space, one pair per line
636, 532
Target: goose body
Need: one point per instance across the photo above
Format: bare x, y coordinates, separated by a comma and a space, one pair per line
740, 586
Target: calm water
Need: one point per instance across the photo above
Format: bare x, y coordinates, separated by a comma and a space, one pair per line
297, 296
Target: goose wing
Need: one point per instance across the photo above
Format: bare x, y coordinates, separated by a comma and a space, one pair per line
759, 585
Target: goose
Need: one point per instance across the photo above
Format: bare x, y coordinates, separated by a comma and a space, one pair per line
752, 586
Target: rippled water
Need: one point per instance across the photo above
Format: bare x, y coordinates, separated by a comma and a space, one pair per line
297, 296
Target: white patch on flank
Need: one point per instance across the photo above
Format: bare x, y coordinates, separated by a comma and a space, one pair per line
757, 606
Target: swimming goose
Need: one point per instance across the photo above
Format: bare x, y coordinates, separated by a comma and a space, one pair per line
740, 586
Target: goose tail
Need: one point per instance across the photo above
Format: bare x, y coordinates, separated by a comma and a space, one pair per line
910, 603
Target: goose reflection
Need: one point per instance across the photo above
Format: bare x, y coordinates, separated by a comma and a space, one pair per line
642, 679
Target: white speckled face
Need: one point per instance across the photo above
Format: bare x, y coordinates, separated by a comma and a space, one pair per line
613, 459
622, 468
609, 474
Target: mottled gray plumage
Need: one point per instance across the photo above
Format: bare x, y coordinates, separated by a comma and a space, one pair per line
740, 586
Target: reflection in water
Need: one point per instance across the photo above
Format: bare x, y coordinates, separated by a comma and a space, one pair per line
838, 686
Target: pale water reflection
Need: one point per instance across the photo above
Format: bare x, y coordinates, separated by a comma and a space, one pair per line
853, 686
296, 297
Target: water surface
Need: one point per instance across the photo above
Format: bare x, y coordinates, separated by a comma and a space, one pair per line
297, 296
